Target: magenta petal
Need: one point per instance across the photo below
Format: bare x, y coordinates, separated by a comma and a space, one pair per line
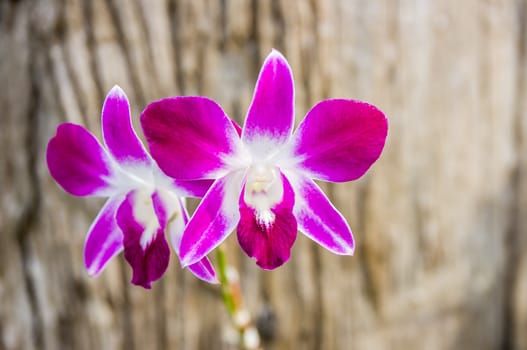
271, 113
270, 245
236, 127
160, 210
196, 188
214, 219
148, 257
189, 137
104, 239
319, 220
339, 140
118, 132
203, 269
77, 161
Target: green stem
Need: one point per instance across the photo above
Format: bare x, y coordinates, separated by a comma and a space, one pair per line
228, 298
248, 337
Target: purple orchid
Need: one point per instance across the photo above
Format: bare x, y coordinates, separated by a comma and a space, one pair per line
142, 203
264, 179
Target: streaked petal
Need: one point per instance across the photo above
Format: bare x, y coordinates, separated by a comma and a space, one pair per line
203, 269
339, 140
269, 244
145, 246
77, 161
214, 219
104, 239
117, 130
189, 137
318, 219
271, 113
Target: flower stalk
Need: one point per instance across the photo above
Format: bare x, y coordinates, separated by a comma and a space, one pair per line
226, 287
247, 335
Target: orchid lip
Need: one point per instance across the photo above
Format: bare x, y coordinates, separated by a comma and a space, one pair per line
267, 231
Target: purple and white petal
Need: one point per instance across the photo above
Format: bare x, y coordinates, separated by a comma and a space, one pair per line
164, 209
203, 269
145, 246
214, 219
271, 113
339, 140
177, 216
318, 219
269, 243
104, 239
78, 162
237, 127
189, 137
118, 132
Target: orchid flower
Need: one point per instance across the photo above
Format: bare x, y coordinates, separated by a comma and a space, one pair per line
142, 203
263, 180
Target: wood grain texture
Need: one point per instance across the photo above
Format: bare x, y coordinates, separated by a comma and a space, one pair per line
440, 220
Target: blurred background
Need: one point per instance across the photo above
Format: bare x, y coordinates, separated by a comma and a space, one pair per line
440, 220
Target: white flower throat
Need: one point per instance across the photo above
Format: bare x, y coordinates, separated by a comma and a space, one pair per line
145, 215
146, 181
263, 190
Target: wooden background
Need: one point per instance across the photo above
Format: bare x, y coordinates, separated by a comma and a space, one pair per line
440, 220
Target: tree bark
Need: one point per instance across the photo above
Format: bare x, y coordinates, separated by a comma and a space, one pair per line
440, 220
